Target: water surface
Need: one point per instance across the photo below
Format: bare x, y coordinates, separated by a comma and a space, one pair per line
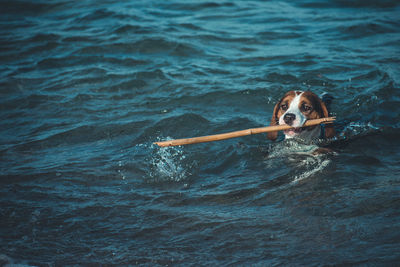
87, 86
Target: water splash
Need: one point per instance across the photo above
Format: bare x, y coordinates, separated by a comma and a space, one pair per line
120, 170
169, 164
160, 164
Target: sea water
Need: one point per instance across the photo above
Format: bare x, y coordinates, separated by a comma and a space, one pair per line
87, 86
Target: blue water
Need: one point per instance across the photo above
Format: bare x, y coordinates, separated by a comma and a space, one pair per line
87, 86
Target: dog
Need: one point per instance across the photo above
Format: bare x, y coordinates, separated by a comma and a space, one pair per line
294, 109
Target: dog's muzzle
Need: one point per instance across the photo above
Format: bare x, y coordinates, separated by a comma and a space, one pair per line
289, 118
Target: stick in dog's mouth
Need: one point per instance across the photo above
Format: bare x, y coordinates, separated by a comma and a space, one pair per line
218, 137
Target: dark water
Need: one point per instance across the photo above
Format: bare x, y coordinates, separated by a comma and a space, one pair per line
87, 86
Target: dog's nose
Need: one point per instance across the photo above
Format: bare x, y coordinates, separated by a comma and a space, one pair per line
289, 118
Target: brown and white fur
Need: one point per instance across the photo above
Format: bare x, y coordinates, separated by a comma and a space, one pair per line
294, 109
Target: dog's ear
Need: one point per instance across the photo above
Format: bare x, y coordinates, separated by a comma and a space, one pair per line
329, 129
274, 121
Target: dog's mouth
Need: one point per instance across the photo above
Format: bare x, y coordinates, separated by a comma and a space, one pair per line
293, 131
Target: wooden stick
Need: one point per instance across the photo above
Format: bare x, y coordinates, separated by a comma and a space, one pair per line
218, 137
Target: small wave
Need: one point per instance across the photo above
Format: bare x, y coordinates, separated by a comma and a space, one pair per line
364, 30
151, 45
373, 75
275, 77
161, 45
356, 129
312, 166
367, 4
201, 6
7, 261
131, 29
349, 4
43, 37
99, 14
277, 35
191, 26
33, 8
298, 155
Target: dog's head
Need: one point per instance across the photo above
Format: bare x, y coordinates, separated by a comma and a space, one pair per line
294, 109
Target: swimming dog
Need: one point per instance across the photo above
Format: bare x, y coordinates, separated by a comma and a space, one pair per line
294, 109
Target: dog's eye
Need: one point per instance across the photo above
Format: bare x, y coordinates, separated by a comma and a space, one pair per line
284, 107
306, 108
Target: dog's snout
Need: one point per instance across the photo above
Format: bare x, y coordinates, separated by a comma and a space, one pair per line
289, 118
